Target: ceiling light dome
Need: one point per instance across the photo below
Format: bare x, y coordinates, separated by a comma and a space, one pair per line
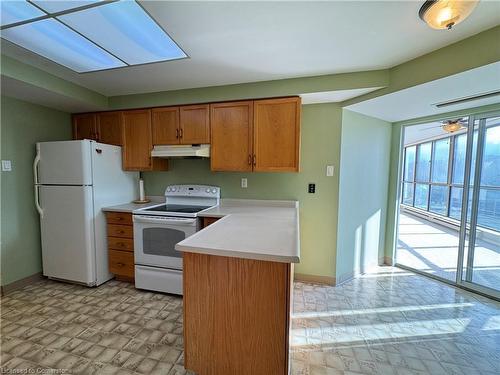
444, 14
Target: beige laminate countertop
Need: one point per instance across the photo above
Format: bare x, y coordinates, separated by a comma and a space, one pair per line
250, 229
129, 207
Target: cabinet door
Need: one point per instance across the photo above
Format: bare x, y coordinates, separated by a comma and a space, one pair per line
84, 126
277, 135
137, 140
232, 130
194, 124
166, 126
109, 128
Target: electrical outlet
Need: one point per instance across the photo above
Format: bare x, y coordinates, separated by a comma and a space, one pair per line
312, 188
330, 170
244, 183
6, 166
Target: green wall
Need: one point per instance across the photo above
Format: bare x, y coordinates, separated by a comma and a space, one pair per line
22, 125
320, 137
364, 171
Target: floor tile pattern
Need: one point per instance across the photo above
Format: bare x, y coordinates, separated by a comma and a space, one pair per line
387, 322
112, 329
393, 322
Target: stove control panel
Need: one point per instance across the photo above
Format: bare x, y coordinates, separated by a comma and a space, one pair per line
192, 191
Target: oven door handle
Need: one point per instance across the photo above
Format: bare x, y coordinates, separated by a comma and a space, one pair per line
149, 219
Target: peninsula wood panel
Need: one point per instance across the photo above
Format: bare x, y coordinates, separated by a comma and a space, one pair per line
85, 126
277, 135
166, 126
236, 315
109, 128
231, 136
194, 124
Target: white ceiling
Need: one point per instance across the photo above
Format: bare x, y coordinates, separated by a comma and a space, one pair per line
235, 42
334, 96
418, 101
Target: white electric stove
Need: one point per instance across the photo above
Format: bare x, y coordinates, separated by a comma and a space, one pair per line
158, 228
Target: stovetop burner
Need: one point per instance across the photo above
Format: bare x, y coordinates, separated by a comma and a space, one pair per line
178, 208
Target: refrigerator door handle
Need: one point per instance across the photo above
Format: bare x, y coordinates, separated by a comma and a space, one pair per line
37, 202
35, 164
35, 176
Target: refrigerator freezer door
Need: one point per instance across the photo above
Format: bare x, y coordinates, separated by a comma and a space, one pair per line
64, 163
67, 231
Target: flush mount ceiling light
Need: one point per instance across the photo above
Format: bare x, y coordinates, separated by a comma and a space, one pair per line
88, 35
444, 14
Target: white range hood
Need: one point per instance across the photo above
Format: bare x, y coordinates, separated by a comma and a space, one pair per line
181, 151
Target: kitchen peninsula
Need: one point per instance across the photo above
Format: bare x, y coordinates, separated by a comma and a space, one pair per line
237, 276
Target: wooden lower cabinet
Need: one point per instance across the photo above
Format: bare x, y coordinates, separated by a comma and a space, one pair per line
236, 315
121, 245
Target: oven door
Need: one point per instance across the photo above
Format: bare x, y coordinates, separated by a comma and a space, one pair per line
155, 238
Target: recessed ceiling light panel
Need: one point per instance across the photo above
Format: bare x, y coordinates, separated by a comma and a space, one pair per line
51, 39
126, 30
18, 11
55, 6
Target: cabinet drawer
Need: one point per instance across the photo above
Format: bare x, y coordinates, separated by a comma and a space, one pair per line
117, 243
119, 218
121, 263
124, 231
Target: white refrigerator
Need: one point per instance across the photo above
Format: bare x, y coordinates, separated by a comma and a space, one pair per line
74, 180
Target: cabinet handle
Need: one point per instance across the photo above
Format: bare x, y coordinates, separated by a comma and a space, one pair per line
249, 159
180, 135
119, 264
254, 159
176, 133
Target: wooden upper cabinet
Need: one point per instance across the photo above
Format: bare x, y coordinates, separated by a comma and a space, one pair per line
277, 135
231, 136
166, 126
137, 142
85, 126
194, 124
109, 128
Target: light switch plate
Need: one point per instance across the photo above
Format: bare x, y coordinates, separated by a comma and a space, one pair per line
244, 183
330, 170
6, 166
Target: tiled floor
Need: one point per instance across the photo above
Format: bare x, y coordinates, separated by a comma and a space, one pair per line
113, 329
394, 322
388, 322
433, 248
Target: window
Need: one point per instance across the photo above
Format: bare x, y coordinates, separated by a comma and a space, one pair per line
490, 172
459, 158
409, 163
456, 202
488, 214
408, 193
438, 201
421, 196
433, 182
423, 162
440, 160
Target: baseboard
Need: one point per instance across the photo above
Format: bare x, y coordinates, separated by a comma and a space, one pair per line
19, 284
315, 279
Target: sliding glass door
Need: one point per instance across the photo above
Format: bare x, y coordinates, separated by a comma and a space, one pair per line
480, 266
449, 212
